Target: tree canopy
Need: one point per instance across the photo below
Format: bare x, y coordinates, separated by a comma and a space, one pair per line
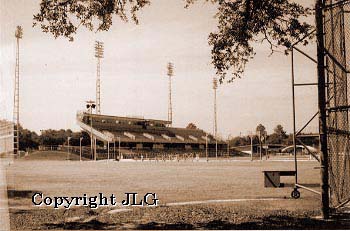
191, 126
241, 23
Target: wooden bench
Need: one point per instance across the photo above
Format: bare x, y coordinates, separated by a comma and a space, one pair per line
273, 178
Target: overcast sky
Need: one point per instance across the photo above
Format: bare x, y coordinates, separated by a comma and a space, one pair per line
58, 76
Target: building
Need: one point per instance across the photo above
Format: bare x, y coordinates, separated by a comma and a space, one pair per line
148, 134
6, 137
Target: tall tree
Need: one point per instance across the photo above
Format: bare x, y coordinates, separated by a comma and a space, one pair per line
279, 136
279, 130
260, 129
241, 23
191, 126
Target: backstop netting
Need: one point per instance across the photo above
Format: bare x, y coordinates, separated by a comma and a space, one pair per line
337, 50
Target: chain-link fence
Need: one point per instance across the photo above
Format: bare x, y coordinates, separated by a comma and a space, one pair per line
337, 48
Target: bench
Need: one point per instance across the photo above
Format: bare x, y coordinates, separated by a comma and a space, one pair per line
273, 178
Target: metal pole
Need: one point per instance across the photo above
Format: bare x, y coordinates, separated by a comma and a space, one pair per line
95, 146
260, 149
322, 110
170, 74
80, 146
206, 146
119, 148
18, 35
68, 149
216, 130
114, 149
294, 123
251, 147
215, 86
91, 138
228, 147
108, 151
266, 146
99, 55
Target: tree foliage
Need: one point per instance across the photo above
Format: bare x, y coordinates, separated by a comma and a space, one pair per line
241, 23
260, 130
279, 136
191, 126
28, 139
64, 17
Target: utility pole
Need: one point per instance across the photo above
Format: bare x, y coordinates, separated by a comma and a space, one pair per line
170, 74
18, 35
215, 87
319, 5
99, 55
206, 146
251, 145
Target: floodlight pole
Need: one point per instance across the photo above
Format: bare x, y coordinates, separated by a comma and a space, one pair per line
170, 74
18, 35
99, 55
322, 108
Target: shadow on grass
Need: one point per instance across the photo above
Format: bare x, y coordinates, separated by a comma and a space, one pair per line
11, 193
90, 225
271, 222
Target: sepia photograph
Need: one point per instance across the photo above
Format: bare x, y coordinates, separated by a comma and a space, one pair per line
174, 115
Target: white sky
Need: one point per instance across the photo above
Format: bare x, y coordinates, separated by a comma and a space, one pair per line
57, 76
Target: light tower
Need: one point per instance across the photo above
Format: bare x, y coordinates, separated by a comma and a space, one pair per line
170, 74
18, 35
99, 56
215, 87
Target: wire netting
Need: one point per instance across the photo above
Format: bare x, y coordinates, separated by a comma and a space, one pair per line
337, 48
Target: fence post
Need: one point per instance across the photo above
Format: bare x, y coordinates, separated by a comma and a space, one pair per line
322, 109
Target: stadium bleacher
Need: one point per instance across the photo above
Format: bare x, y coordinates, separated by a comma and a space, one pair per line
147, 135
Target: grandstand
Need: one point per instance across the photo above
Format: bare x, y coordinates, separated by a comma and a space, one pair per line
140, 135
6, 137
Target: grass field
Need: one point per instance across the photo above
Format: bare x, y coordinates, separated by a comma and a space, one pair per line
186, 191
